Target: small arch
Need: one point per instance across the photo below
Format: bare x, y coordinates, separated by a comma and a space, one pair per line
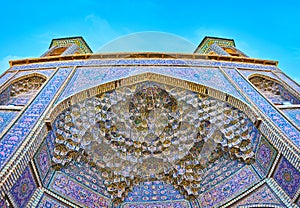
273, 90
22, 89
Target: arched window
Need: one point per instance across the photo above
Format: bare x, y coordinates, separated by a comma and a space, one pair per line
274, 91
21, 91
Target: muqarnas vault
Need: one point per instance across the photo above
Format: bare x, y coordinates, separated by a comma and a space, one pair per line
212, 128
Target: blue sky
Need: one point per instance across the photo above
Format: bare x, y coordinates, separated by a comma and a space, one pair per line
261, 29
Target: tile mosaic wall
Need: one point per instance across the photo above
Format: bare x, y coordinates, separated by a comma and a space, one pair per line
23, 188
265, 107
6, 117
290, 82
261, 196
288, 177
265, 156
87, 176
50, 202
165, 62
153, 191
42, 160
6, 77
166, 204
233, 186
85, 78
46, 73
19, 131
293, 114
70, 189
247, 73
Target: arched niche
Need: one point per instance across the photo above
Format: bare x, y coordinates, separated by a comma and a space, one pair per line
273, 90
151, 126
19, 91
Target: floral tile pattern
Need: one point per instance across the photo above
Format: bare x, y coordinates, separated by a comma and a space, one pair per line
6, 117
265, 156
293, 114
230, 188
288, 177
43, 161
262, 196
69, 188
50, 202
23, 188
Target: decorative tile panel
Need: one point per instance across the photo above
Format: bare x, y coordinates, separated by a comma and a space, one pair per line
247, 73
265, 107
293, 114
43, 161
23, 188
165, 62
85, 78
265, 156
165, 204
153, 191
261, 196
12, 139
290, 82
50, 202
229, 188
72, 190
6, 77
46, 73
288, 177
6, 117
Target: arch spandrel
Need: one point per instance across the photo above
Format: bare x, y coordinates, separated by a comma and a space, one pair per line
88, 77
160, 116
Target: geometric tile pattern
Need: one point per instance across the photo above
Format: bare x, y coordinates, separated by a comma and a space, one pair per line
43, 160
23, 188
18, 132
70, 189
287, 128
233, 186
6, 117
50, 202
288, 177
293, 114
265, 156
261, 196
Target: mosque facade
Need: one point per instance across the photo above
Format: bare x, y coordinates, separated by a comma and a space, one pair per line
210, 128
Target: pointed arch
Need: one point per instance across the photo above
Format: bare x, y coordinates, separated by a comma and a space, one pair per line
20, 90
153, 77
273, 89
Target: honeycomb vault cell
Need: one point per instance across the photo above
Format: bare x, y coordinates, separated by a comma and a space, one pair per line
151, 131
